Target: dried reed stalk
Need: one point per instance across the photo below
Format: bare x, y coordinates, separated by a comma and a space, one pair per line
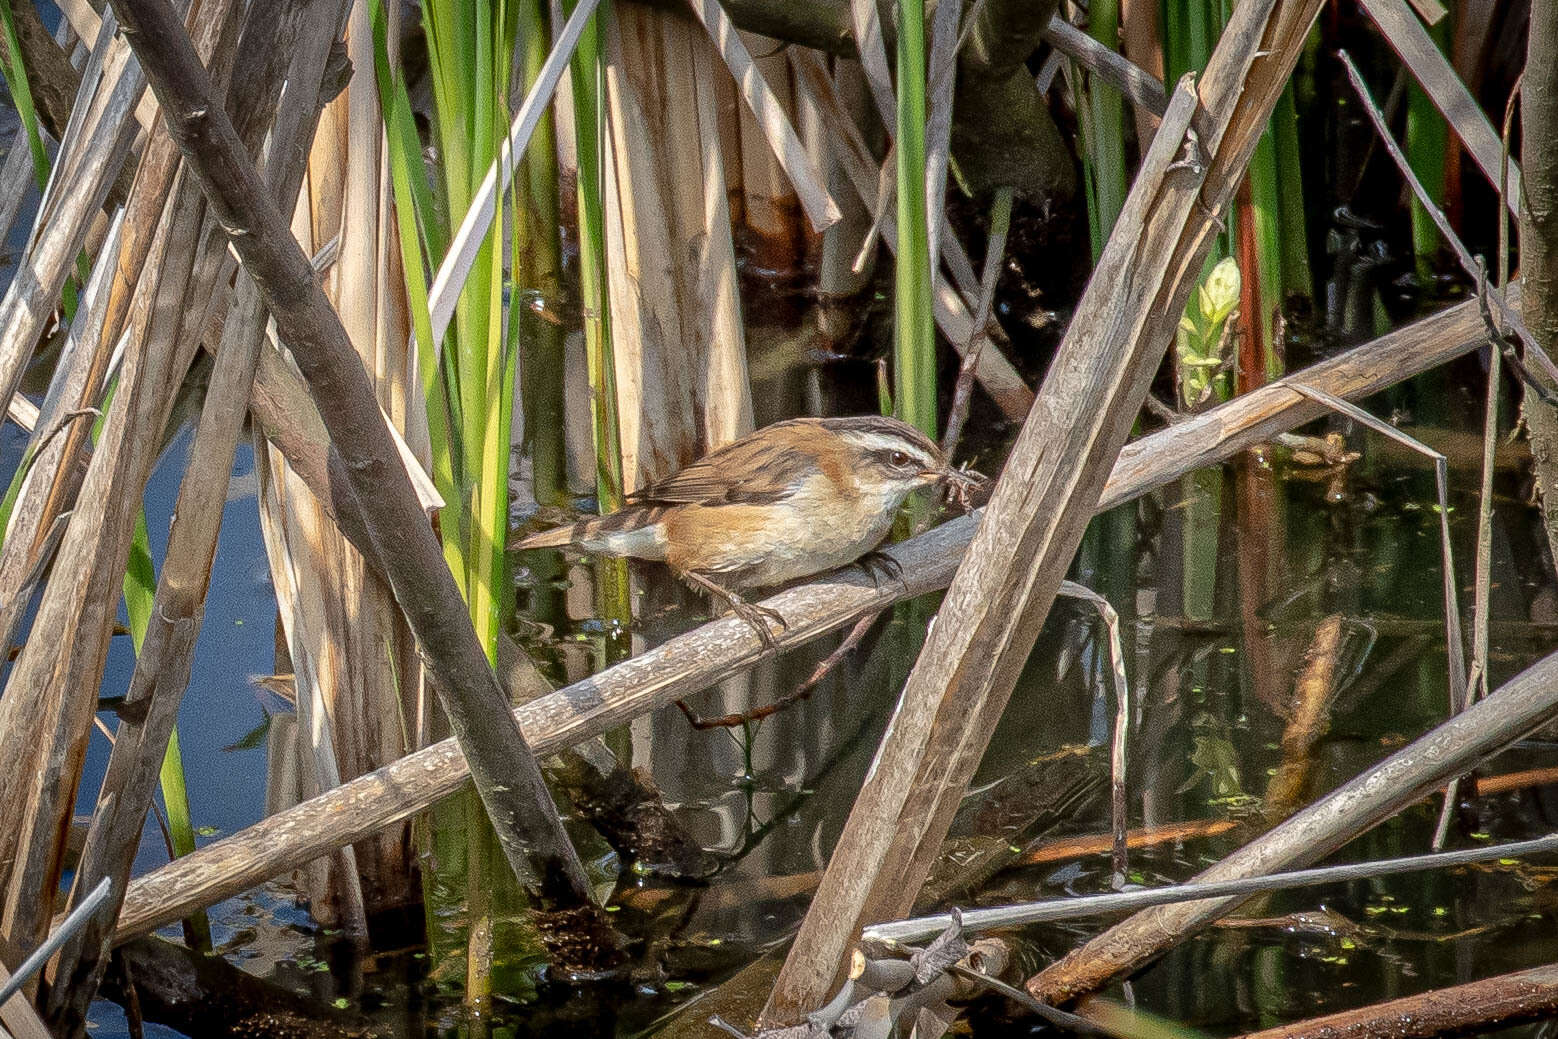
700, 658
346, 638
506, 774
45, 716
677, 335
1046, 495
167, 653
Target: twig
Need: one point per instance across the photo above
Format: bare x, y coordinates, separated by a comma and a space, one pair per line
1508, 318
1138, 86
74, 922
1455, 651
1058, 909
1051, 1014
1122, 695
1456, 658
803, 692
1520, 705
995, 254
1478, 676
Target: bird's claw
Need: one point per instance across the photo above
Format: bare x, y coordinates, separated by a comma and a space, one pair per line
758, 617
876, 563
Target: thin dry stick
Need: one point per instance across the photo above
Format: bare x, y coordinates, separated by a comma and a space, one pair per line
1478, 680
1508, 317
802, 692
1080, 907
506, 774
1460, 690
1136, 84
1455, 651
1523, 703
995, 255
1122, 721
1445, 89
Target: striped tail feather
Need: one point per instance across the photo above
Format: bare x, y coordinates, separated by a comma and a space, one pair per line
637, 532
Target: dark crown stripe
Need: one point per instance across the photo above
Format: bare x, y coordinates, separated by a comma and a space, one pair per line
881, 425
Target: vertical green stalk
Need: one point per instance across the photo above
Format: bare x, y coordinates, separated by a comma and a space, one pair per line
1102, 114
589, 95
140, 588
470, 385
914, 370
538, 254
535, 331
1427, 139
589, 129
1297, 279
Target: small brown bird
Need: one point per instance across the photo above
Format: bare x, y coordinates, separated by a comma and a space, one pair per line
785, 502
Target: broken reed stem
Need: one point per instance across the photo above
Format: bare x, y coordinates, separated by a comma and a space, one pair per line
1049, 490
696, 660
979, 336
1499, 1001
506, 774
1522, 704
163, 666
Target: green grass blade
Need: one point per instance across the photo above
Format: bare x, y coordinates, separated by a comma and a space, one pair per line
21, 94
914, 333
140, 589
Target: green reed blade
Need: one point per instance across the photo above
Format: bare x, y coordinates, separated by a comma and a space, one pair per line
914, 355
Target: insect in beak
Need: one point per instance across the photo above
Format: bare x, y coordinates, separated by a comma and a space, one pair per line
961, 485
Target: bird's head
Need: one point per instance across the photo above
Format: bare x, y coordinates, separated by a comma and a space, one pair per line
892, 458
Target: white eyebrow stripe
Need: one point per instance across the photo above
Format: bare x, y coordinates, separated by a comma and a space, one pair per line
883, 442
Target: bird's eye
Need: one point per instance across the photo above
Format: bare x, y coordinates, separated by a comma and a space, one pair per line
899, 459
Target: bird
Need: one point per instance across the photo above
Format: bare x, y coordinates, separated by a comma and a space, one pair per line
790, 500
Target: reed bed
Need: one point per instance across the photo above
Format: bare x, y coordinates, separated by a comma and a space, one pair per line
452, 269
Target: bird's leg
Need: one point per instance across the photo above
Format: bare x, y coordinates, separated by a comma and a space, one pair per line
877, 563
755, 615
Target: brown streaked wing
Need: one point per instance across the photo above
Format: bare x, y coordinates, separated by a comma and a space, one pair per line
752, 471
